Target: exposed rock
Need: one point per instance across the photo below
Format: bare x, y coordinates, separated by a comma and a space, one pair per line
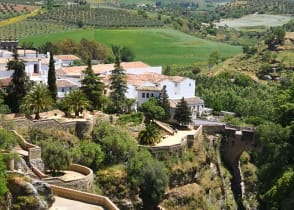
26, 195
20, 165
45, 191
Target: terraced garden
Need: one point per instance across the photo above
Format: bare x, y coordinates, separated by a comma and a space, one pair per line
96, 17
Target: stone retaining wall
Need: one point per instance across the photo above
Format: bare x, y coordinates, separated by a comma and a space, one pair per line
78, 127
83, 184
159, 151
84, 197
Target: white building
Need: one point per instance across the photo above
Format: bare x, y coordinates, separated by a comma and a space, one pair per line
195, 104
142, 86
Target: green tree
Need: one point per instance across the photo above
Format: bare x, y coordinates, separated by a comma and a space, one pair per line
214, 58
152, 110
150, 176
55, 156
183, 113
91, 49
3, 182
92, 155
52, 78
118, 87
127, 54
76, 101
37, 100
275, 37
48, 47
4, 108
150, 135
117, 145
92, 87
19, 85
7, 139
164, 102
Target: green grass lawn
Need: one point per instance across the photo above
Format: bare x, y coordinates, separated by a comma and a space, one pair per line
153, 46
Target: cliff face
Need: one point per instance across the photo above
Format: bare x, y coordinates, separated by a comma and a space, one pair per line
27, 194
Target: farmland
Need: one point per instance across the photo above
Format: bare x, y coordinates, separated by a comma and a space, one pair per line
96, 17
153, 46
12, 10
31, 28
255, 21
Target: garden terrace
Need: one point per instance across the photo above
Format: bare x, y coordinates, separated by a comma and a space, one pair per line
96, 17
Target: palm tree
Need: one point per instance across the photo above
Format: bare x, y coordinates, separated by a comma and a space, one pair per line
76, 101
151, 135
37, 100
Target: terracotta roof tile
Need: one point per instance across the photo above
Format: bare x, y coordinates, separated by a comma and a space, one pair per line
190, 101
64, 83
101, 68
4, 82
67, 57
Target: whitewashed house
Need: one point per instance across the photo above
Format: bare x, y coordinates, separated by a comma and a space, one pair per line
66, 60
65, 85
195, 104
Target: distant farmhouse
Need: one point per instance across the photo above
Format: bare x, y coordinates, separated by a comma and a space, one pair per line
143, 81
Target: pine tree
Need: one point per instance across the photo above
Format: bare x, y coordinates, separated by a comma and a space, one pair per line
118, 86
183, 113
52, 78
19, 85
164, 103
92, 87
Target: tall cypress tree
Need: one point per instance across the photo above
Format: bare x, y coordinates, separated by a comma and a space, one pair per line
118, 86
19, 85
183, 113
52, 78
164, 102
92, 87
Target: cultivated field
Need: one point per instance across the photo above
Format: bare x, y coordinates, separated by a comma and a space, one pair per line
31, 28
153, 46
255, 21
96, 17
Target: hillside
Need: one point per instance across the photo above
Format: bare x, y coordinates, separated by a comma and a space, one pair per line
153, 46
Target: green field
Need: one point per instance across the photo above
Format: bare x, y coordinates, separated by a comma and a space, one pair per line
153, 46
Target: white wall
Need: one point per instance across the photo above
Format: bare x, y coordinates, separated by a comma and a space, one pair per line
62, 91
148, 94
186, 88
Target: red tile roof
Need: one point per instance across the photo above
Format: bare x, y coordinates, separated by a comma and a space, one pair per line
4, 82
64, 83
67, 57
100, 68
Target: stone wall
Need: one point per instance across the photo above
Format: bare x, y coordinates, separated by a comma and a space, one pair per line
213, 129
83, 184
176, 149
84, 197
80, 128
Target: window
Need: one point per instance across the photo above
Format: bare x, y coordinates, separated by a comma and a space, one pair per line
143, 95
189, 84
36, 68
62, 89
176, 85
152, 95
147, 95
